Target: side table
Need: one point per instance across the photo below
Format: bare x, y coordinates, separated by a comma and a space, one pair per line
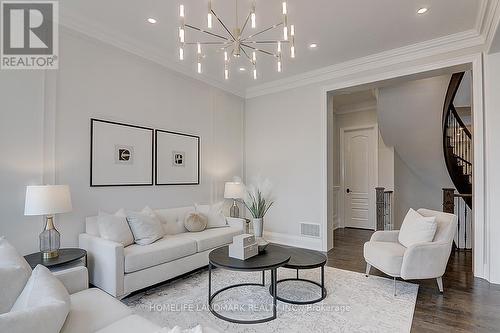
70, 257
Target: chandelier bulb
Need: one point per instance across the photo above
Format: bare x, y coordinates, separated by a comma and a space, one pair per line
284, 8
181, 53
254, 57
292, 30
181, 10
199, 67
199, 48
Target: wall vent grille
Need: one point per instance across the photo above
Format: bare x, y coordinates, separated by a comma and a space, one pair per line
310, 230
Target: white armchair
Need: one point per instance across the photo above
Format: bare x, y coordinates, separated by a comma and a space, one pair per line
419, 261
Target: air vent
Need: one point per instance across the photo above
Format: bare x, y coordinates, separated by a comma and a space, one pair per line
309, 230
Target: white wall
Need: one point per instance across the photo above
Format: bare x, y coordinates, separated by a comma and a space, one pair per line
410, 119
283, 143
21, 144
97, 80
492, 162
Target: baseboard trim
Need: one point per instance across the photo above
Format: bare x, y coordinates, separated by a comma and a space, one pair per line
293, 240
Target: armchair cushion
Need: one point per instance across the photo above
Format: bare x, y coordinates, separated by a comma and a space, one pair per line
417, 229
15, 269
42, 306
92, 310
385, 256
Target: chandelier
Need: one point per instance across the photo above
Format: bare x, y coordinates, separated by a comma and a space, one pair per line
235, 42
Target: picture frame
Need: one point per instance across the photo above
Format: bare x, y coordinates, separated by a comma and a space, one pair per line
120, 154
177, 158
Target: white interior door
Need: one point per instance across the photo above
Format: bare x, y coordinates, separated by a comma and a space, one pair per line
360, 148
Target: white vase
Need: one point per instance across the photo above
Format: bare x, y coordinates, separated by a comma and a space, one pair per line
258, 227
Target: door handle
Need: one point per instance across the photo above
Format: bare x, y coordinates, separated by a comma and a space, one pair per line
348, 191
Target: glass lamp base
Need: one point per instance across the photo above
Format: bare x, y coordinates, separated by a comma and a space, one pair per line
235, 210
50, 240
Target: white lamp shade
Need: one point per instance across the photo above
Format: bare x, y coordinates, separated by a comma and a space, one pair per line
234, 190
47, 200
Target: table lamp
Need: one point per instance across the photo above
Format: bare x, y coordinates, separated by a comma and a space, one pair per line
48, 200
235, 191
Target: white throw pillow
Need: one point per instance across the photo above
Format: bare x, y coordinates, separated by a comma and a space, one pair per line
42, 306
14, 273
216, 218
417, 229
115, 227
173, 219
145, 228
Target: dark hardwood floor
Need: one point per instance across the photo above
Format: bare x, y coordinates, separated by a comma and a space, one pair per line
468, 304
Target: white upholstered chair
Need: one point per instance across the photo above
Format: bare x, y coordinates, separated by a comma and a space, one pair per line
419, 261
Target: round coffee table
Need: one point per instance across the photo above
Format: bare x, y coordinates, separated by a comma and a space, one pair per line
302, 259
272, 258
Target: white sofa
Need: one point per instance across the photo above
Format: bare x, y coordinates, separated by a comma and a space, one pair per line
90, 310
425, 260
120, 270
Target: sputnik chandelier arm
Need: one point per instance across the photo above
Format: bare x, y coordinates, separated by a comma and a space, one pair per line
235, 42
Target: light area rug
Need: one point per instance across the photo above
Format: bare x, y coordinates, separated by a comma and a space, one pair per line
354, 303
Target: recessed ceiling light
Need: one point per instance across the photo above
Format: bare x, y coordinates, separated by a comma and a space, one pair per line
313, 45
242, 69
152, 20
422, 10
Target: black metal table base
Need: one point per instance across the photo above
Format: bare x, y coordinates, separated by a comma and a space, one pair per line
322, 286
272, 288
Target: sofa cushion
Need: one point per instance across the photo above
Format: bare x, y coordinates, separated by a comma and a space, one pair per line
212, 238
93, 309
385, 256
115, 228
173, 219
131, 324
168, 248
417, 229
42, 306
216, 218
15, 269
145, 228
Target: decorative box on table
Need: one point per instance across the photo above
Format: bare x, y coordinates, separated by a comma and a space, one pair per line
243, 247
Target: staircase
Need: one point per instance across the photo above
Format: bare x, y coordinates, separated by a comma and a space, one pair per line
457, 143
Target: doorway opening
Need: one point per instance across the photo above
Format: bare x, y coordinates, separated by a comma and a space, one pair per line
394, 135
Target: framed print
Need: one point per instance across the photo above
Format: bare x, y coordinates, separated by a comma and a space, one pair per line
120, 154
177, 158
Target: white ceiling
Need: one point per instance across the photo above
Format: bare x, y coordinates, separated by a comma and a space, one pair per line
344, 29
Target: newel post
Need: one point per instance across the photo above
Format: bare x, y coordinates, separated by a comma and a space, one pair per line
449, 200
380, 207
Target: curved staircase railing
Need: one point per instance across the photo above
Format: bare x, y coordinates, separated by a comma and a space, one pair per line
457, 143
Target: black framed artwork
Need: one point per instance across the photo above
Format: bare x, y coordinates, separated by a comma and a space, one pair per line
177, 158
120, 154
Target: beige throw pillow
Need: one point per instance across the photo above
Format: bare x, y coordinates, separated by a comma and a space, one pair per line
195, 222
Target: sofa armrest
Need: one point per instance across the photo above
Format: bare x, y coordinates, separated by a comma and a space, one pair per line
385, 236
75, 279
105, 261
237, 222
425, 260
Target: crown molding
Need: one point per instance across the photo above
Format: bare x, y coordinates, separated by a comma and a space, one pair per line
71, 21
490, 23
433, 47
357, 107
